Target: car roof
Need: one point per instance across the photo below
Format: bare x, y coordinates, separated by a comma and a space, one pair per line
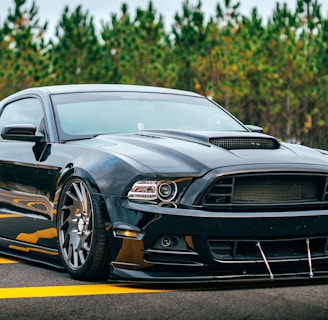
78, 88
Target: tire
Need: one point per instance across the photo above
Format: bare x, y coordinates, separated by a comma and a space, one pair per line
82, 238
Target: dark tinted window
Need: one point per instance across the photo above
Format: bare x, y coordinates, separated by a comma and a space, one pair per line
24, 111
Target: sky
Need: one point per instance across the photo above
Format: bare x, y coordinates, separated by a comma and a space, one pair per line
51, 10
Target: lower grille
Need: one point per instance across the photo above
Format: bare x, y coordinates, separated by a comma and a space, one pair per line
248, 251
267, 191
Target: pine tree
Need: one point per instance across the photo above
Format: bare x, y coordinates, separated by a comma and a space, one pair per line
189, 34
135, 50
76, 51
25, 62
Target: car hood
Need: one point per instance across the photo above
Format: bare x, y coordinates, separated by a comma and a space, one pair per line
195, 153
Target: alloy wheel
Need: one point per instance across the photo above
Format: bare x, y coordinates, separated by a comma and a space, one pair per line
76, 224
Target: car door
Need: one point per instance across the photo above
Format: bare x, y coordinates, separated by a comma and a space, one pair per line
18, 173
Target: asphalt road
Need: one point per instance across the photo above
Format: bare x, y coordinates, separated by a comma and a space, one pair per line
30, 291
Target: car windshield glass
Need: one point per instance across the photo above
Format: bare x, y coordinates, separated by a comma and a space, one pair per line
126, 112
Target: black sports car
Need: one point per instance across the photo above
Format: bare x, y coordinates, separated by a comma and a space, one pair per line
144, 183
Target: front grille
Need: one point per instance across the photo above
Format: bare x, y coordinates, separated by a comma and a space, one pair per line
233, 143
267, 192
246, 250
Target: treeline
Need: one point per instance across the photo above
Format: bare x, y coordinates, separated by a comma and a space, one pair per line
272, 73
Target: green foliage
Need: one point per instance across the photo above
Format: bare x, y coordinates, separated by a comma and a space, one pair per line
75, 50
23, 57
271, 73
136, 50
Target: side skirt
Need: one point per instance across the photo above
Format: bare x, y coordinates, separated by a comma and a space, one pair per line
30, 252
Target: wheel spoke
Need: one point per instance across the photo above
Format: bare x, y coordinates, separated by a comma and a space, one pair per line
71, 195
82, 259
64, 225
75, 259
78, 192
69, 253
66, 241
84, 200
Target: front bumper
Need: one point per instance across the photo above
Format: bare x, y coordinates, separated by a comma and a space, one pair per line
193, 245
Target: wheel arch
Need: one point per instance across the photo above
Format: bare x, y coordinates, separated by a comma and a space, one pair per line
77, 172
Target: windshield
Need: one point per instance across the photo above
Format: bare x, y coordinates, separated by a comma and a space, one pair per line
94, 113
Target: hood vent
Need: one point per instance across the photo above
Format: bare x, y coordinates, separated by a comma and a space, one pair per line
234, 143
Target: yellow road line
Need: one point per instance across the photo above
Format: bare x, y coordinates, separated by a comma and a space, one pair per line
11, 215
7, 260
81, 290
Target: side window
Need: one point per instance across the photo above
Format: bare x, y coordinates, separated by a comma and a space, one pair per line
24, 111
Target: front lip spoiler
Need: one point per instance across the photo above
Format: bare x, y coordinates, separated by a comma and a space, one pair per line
210, 276
118, 274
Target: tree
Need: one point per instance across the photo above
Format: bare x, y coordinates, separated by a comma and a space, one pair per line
24, 59
76, 51
135, 50
189, 34
271, 74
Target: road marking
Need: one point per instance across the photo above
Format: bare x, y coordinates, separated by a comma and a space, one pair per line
11, 215
80, 290
7, 260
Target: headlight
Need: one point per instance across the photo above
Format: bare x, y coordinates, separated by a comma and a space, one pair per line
158, 191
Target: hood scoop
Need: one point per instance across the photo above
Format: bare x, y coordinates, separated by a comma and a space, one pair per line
229, 140
235, 143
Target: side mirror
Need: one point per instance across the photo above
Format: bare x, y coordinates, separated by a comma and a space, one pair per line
21, 132
254, 128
